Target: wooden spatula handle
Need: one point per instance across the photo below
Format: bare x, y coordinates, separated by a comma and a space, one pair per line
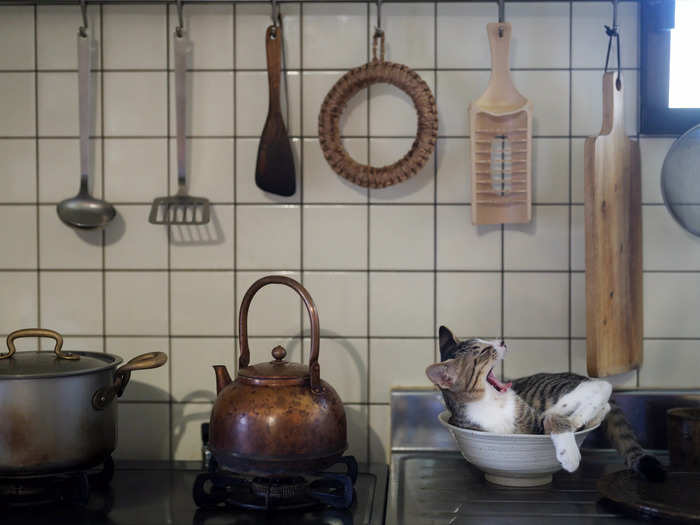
273, 44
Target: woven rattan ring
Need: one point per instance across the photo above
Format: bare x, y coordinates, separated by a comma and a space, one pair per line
374, 72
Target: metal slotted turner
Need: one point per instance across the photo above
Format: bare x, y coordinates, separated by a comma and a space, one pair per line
180, 208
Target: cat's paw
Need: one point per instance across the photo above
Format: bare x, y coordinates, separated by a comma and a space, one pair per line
570, 458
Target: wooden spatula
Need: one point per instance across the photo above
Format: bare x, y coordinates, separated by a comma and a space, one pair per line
274, 171
613, 211
501, 142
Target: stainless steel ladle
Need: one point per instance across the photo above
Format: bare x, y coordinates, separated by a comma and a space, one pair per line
83, 210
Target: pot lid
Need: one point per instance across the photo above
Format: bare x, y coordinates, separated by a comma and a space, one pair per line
26, 365
279, 368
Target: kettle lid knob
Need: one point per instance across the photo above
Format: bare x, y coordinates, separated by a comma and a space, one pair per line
279, 353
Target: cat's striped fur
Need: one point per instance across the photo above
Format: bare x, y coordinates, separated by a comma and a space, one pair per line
555, 404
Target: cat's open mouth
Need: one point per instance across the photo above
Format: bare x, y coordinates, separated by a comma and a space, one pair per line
495, 383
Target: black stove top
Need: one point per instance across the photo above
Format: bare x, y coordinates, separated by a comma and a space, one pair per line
161, 494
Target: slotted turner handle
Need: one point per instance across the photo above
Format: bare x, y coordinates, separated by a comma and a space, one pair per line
181, 106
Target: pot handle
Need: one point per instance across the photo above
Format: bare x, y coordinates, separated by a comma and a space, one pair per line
244, 359
104, 396
38, 332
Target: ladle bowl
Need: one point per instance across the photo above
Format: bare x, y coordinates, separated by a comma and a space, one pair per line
85, 211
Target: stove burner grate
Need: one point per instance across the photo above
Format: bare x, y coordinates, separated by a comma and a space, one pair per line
223, 489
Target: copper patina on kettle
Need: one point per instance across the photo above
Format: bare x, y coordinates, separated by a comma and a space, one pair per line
276, 417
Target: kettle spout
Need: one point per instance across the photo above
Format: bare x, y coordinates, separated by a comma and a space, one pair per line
222, 377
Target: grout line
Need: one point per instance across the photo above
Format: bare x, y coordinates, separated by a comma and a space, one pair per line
235, 198
301, 167
103, 234
435, 187
37, 176
570, 207
368, 32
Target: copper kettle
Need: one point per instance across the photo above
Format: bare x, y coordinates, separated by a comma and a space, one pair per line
276, 417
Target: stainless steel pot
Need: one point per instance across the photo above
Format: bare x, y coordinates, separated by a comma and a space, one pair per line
57, 410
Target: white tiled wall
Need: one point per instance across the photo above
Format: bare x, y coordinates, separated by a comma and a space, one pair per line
386, 267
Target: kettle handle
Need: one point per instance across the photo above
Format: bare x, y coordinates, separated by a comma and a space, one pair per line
244, 359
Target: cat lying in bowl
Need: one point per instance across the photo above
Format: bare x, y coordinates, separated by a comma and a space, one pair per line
553, 404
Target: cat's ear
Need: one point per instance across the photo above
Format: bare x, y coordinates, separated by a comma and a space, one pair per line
447, 341
442, 375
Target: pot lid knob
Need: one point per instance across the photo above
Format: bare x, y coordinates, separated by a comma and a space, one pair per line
279, 353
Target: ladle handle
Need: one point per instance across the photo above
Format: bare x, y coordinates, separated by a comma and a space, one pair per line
85, 104
244, 359
181, 44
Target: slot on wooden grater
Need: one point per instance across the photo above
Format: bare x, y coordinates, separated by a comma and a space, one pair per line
501, 138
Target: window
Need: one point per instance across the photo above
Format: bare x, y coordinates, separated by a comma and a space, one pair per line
670, 77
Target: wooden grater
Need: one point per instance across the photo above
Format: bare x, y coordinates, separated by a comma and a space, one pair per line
501, 142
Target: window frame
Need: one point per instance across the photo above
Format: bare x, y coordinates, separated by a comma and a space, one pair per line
655, 41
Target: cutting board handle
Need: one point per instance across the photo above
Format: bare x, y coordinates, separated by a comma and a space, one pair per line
613, 105
501, 92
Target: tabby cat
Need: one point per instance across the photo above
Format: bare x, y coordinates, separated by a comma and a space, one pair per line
554, 404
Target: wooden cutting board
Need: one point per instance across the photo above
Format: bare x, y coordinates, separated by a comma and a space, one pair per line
613, 213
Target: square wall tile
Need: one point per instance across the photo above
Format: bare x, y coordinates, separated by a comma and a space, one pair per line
202, 303
549, 93
136, 303
653, 154
418, 188
145, 385
401, 304
186, 428
577, 174
578, 305
19, 301
463, 246
17, 105
589, 41
17, 37
453, 157
18, 183
59, 169
61, 246
275, 310
322, 184
56, 33
666, 245
550, 171
460, 26
414, 355
536, 305
135, 103
540, 34
58, 104
393, 112
578, 238
587, 102
252, 103
192, 360
210, 30
469, 303
379, 434
206, 246
357, 421
335, 35
134, 36
71, 342
410, 33
210, 168
670, 364
341, 299
135, 169
579, 366
69, 312
246, 163
456, 90
144, 431
317, 84
251, 23
532, 356
669, 302
344, 366
268, 237
209, 103
18, 236
344, 228
132, 243
541, 244
401, 237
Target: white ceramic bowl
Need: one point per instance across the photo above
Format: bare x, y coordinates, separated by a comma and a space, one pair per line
515, 460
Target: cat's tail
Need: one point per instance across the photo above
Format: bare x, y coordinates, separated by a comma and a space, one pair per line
621, 434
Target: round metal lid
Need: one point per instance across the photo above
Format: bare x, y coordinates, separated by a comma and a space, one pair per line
280, 368
28, 365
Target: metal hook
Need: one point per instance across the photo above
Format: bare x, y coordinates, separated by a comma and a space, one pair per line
276, 14
501, 16
83, 10
181, 23
378, 30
